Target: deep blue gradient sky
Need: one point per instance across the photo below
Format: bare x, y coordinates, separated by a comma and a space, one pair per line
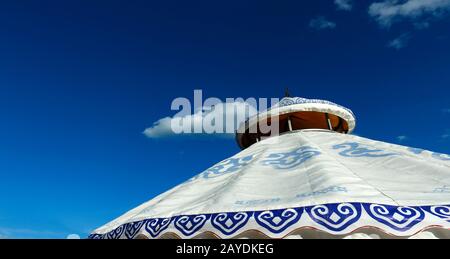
81, 80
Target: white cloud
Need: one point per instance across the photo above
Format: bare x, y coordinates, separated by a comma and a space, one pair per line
160, 128
73, 236
402, 138
345, 5
390, 11
218, 119
321, 23
400, 42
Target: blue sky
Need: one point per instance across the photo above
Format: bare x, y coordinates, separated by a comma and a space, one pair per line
81, 80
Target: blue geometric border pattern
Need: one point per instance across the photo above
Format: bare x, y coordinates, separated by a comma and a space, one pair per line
442, 212
189, 225
335, 218
230, 223
398, 218
287, 101
155, 226
116, 233
277, 221
132, 229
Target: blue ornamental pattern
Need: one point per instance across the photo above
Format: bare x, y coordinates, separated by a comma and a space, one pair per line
116, 233
230, 223
291, 159
227, 166
296, 157
416, 151
189, 225
132, 229
435, 155
336, 218
442, 189
443, 157
155, 226
298, 100
398, 218
442, 212
277, 221
96, 236
354, 149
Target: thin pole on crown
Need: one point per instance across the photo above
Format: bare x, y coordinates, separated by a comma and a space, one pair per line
327, 117
286, 92
287, 95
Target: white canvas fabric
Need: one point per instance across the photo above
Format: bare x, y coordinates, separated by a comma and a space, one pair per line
303, 183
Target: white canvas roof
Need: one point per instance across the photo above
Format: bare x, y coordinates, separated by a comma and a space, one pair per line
304, 183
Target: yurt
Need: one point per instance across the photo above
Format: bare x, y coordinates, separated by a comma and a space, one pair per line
312, 180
